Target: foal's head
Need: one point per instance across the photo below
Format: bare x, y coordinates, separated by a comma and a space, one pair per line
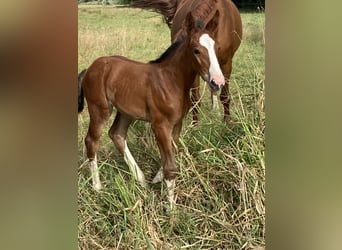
204, 51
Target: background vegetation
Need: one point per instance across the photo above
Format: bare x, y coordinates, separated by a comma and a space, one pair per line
221, 185
242, 4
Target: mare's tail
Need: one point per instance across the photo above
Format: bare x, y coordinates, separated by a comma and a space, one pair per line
167, 8
80, 91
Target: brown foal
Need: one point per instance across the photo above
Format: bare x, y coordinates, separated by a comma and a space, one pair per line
157, 92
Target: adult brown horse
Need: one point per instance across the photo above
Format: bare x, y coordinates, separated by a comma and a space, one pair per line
227, 31
157, 92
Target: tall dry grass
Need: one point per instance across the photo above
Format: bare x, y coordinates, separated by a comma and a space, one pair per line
220, 191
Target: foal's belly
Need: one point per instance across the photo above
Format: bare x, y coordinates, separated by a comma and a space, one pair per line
134, 111
133, 106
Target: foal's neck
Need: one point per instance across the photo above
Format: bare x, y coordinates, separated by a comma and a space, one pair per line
181, 65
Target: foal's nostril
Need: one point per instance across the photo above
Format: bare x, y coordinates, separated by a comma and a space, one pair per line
213, 85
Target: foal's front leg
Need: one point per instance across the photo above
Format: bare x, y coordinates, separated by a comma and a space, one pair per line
175, 136
163, 133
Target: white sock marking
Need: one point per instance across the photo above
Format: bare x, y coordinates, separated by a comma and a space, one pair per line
214, 68
159, 176
95, 174
170, 185
214, 101
138, 174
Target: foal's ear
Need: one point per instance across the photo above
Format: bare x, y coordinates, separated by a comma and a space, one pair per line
213, 23
189, 23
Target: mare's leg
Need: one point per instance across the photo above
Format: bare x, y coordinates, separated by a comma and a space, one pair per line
118, 133
224, 97
98, 116
195, 99
175, 137
163, 133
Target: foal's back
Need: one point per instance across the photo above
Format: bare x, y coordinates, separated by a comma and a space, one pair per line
120, 82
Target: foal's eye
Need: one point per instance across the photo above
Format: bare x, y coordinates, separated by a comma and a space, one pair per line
196, 51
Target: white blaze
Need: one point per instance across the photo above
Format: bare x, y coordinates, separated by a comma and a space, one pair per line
214, 68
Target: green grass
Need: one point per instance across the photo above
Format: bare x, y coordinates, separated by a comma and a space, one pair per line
221, 185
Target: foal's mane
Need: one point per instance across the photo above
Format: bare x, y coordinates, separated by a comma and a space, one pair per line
170, 51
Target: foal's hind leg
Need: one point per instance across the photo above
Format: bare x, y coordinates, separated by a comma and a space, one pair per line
98, 116
118, 133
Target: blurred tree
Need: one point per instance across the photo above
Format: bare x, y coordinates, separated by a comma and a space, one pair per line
250, 4
241, 4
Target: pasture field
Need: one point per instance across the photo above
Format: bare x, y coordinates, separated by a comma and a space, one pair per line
220, 189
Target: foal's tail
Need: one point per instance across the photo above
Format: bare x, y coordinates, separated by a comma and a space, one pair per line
167, 8
80, 91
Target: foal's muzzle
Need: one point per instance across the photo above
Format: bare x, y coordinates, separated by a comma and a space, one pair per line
215, 82
213, 86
